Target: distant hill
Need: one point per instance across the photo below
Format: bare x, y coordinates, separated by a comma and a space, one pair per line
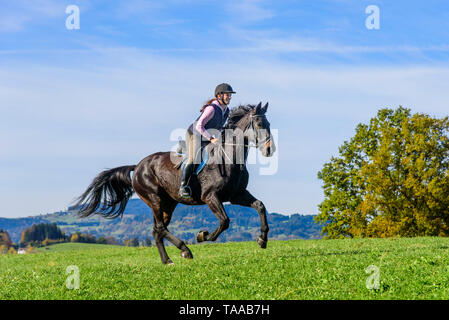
137, 221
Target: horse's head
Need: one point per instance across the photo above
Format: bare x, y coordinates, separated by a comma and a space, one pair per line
260, 127
252, 120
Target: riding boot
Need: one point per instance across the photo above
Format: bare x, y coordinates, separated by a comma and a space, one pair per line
184, 190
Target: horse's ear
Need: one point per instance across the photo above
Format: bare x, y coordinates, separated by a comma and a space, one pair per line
258, 108
264, 108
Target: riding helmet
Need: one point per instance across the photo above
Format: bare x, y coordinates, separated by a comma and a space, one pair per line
223, 88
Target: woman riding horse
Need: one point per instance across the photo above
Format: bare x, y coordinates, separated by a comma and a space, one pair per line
213, 116
156, 181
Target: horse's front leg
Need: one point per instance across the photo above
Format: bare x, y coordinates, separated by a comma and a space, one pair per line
217, 208
246, 199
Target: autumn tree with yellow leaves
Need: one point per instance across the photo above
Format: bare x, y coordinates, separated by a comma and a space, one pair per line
390, 179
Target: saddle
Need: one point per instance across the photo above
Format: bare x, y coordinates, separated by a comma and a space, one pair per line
181, 150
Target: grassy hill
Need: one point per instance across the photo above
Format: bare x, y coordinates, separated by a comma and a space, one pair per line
137, 221
409, 268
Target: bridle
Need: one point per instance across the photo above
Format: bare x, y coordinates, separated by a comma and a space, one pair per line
256, 145
251, 124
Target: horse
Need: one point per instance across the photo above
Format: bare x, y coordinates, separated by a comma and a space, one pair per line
156, 180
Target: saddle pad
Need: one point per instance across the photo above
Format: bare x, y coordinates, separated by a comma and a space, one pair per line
200, 167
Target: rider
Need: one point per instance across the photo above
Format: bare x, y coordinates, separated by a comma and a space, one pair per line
213, 116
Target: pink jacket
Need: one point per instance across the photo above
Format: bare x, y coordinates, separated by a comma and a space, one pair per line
208, 113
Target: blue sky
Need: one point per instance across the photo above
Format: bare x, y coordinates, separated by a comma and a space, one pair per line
75, 102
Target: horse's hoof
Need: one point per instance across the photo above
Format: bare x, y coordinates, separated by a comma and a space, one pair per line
169, 263
261, 242
187, 254
201, 236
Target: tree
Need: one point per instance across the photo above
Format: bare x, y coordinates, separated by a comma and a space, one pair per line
75, 237
5, 240
40, 232
102, 240
390, 179
133, 242
147, 242
112, 240
82, 237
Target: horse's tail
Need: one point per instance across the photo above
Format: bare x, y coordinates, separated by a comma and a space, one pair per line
108, 193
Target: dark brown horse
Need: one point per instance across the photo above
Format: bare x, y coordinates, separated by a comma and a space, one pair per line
156, 181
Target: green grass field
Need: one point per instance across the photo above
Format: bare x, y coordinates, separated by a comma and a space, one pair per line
416, 268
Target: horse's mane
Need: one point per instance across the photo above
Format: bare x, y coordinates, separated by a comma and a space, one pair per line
236, 114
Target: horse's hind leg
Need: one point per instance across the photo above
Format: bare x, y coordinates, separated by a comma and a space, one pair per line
160, 232
162, 212
154, 202
168, 206
158, 235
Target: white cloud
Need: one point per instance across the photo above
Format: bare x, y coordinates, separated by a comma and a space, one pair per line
12, 23
280, 42
248, 11
16, 15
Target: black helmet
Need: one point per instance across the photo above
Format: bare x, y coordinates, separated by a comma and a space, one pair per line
223, 88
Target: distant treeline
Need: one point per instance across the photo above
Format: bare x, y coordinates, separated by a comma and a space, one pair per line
38, 233
43, 234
